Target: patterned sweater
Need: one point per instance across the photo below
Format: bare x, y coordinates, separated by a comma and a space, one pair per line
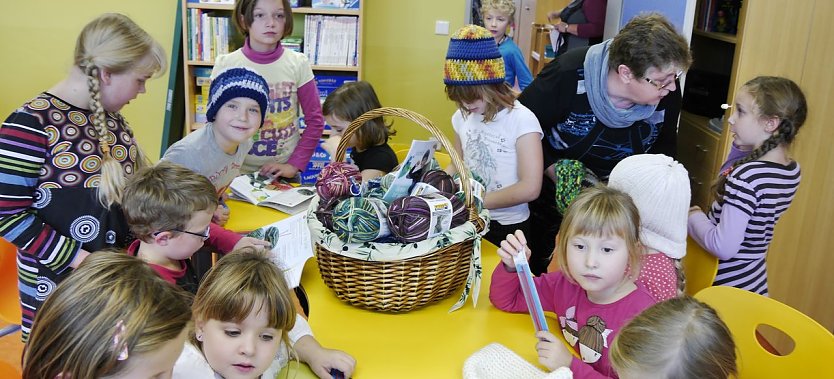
49, 170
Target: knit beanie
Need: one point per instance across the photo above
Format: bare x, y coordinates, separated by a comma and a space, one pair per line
496, 361
659, 187
237, 82
473, 58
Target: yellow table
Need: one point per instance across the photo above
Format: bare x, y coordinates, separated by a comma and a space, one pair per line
426, 343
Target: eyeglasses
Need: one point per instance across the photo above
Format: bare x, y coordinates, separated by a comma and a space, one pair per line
203, 236
663, 86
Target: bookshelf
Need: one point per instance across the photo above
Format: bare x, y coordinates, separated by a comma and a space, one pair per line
195, 66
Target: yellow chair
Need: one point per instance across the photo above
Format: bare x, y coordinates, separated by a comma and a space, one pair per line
744, 311
699, 267
9, 295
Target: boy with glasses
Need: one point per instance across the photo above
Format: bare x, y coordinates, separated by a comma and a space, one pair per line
169, 210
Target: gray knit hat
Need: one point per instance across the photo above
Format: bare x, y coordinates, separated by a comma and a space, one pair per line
659, 187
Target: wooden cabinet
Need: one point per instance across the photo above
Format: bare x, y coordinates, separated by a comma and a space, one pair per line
698, 151
191, 66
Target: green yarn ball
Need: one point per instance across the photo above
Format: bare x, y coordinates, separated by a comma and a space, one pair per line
359, 219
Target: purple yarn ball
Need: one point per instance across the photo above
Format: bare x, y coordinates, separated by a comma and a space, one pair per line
441, 180
409, 217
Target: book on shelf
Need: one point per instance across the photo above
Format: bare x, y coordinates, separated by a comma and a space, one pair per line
251, 188
328, 83
208, 35
345, 4
331, 40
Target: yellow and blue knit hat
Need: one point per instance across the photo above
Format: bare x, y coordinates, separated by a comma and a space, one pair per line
473, 58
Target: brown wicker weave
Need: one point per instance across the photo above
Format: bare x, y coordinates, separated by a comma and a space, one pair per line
400, 286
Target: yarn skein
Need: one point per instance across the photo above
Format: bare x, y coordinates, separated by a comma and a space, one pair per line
359, 219
338, 180
440, 180
410, 216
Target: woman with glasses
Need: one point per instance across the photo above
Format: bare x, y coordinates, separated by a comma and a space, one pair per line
600, 104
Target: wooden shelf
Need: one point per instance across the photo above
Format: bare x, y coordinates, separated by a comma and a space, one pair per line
299, 10
315, 67
729, 38
226, 9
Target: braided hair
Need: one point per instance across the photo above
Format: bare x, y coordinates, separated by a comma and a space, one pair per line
775, 97
113, 42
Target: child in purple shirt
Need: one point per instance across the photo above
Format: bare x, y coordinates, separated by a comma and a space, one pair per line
595, 293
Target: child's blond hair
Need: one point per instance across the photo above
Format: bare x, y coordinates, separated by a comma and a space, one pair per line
678, 338
113, 42
237, 284
504, 6
74, 332
602, 211
165, 197
350, 101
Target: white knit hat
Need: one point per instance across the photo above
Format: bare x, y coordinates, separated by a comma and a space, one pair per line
659, 187
496, 361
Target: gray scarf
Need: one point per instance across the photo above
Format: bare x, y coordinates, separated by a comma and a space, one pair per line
596, 85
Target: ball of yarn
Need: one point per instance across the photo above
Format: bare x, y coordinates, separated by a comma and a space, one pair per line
338, 180
440, 180
373, 188
410, 216
571, 177
386, 180
359, 219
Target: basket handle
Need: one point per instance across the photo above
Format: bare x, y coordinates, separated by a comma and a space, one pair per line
418, 119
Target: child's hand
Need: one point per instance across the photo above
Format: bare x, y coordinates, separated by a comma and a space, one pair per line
221, 215
552, 352
324, 360
510, 247
321, 360
275, 170
253, 242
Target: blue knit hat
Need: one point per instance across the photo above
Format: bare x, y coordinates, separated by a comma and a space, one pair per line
473, 58
237, 82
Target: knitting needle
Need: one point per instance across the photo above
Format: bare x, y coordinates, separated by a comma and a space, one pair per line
726, 106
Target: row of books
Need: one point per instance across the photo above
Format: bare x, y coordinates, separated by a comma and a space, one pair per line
348, 4
331, 40
208, 35
719, 16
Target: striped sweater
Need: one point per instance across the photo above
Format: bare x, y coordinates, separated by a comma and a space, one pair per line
739, 231
49, 171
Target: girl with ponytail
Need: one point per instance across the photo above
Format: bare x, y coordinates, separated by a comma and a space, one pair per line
66, 155
757, 182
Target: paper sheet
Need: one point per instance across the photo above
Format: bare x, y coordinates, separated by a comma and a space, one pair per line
293, 247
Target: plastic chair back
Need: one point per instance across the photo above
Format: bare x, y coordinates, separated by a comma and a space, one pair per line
9, 294
744, 311
699, 266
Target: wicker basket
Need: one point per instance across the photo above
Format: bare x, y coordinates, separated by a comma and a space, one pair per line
401, 286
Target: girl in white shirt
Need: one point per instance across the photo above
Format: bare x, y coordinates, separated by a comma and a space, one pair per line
245, 325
